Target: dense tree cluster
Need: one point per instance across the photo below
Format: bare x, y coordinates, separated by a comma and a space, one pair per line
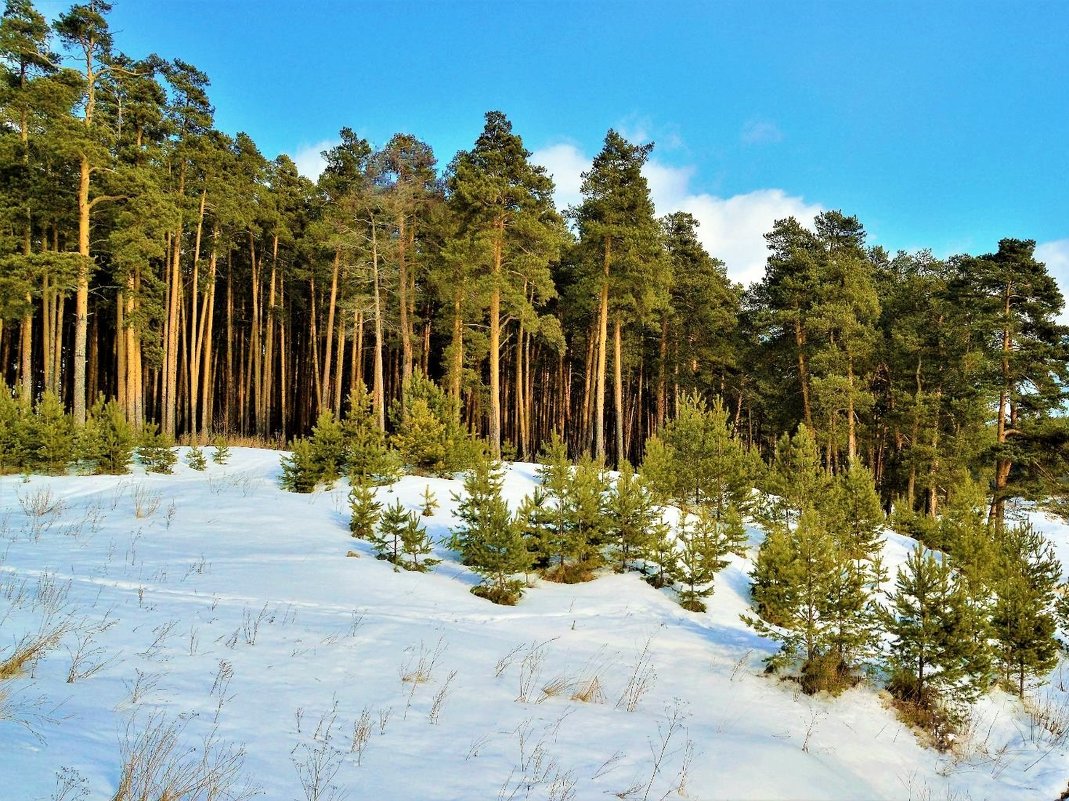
149, 258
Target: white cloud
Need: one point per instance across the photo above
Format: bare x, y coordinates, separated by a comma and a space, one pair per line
566, 164
731, 229
760, 132
1056, 256
309, 158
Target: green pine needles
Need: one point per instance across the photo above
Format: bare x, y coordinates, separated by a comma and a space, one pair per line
488, 537
402, 540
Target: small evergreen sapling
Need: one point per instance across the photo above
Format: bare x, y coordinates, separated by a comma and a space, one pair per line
932, 624
488, 538
298, 468
221, 450
585, 514
327, 449
704, 543
694, 460
195, 458
1023, 618
367, 456
387, 539
402, 540
535, 517
416, 546
14, 431
52, 436
663, 556
856, 517
366, 510
632, 517
800, 561
547, 524
106, 442
428, 433
430, 502
154, 450
796, 481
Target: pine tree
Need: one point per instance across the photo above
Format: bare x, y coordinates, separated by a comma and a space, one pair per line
704, 542
585, 520
802, 590
388, 538
416, 546
772, 577
428, 433
480, 507
972, 543
537, 519
299, 470
14, 430
559, 542
663, 555
366, 453
488, 538
932, 627
621, 252
796, 480
1023, 618
852, 618
1014, 302
696, 461
366, 510
699, 326
430, 502
631, 518
856, 517
52, 436
195, 458
328, 450
106, 441
505, 206
155, 451
221, 451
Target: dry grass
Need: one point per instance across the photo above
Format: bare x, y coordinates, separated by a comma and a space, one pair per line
588, 691
31, 648
146, 502
157, 765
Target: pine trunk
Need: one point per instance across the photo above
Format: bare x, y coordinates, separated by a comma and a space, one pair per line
603, 349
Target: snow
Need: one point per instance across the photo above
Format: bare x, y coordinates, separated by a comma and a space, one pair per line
232, 610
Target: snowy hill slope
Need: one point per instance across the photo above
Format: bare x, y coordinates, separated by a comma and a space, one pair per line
214, 605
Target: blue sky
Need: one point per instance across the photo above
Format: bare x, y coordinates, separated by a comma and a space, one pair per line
940, 124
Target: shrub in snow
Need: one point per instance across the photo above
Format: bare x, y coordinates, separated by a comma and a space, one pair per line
704, 542
428, 432
51, 439
195, 458
488, 538
569, 540
221, 451
365, 510
14, 431
105, 444
154, 450
402, 540
298, 468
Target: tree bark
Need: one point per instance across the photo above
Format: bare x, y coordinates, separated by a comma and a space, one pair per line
603, 348
618, 387
495, 340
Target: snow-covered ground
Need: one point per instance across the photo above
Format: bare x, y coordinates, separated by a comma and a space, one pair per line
219, 608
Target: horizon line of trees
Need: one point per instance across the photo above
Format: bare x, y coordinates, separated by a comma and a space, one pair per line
149, 258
